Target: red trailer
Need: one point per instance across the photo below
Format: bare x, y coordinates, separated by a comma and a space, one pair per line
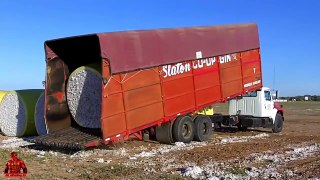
152, 80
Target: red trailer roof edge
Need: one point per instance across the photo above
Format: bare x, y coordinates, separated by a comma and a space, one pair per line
141, 30
133, 50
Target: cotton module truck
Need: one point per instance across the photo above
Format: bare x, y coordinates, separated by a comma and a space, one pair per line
153, 82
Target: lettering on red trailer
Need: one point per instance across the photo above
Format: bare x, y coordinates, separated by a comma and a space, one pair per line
206, 62
180, 68
251, 83
227, 58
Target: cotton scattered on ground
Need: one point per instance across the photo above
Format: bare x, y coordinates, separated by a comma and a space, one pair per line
246, 169
243, 138
169, 148
14, 142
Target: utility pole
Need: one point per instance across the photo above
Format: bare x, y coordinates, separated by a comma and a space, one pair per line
274, 77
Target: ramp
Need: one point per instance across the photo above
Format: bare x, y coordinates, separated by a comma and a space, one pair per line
69, 138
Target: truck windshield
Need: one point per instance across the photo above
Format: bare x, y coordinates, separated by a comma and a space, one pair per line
251, 94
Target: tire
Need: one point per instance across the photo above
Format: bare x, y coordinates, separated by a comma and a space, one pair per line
278, 124
164, 133
203, 128
150, 134
183, 129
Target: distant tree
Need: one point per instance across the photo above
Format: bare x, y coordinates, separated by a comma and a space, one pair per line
292, 98
315, 98
300, 98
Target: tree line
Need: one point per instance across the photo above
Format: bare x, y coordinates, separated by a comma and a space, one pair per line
302, 98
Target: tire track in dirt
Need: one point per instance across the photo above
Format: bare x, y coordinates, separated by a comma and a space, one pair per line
225, 157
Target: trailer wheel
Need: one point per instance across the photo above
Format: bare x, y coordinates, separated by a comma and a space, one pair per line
203, 128
183, 129
278, 123
164, 133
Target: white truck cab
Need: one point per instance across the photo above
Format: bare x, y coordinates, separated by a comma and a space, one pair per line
256, 103
254, 109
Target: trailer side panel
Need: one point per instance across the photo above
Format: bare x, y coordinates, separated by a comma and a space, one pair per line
156, 95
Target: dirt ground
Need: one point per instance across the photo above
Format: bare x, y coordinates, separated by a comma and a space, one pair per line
230, 154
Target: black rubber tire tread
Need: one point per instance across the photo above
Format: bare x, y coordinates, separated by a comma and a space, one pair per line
278, 124
164, 133
194, 117
177, 129
199, 134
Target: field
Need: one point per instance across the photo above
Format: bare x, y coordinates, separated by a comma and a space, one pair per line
231, 154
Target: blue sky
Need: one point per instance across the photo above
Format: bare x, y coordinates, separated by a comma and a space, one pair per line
289, 33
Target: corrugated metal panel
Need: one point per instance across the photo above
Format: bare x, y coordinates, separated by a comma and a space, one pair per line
133, 50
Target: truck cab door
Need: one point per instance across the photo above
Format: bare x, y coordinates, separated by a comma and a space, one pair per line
268, 109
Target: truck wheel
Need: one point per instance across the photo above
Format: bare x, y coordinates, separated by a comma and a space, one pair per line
278, 123
164, 133
183, 129
203, 128
149, 134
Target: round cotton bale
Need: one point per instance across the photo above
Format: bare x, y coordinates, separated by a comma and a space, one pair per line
2, 93
39, 116
17, 112
84, 96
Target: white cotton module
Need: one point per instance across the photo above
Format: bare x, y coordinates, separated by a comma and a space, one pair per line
12, 115
84, 96
17, 112
39, 116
